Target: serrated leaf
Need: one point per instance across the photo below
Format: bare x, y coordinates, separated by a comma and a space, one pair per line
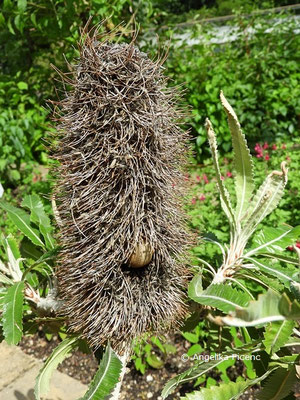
280, 257
268, 307
106, 377
198, 370
223, 297
61, 352
284, 274
274, 240
224, 195
244, 184
22, 220
226, 391
13, 312
277, 334
279, 385
188, 375
39, 217
265, 200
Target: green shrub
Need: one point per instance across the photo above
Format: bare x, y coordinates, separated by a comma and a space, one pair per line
259, 69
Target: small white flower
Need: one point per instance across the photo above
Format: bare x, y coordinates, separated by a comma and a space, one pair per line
1, 190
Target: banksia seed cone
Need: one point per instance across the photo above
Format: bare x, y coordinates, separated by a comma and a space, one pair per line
121, 271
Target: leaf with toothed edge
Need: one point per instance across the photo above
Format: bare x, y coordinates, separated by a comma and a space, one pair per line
224, 195
13, 312
244, 184
265, 200
276, 335
60, 353
223, 297
106, 377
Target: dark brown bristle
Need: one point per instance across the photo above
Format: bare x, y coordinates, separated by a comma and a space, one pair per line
119, 185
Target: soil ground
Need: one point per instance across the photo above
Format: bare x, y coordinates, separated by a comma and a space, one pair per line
135, 385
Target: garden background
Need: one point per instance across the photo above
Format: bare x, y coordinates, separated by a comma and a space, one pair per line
248, 49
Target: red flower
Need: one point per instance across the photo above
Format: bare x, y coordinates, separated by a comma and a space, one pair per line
201, 197
298, 244
193, 201
267, 157
290, 248
288, 158
274, 147
229, 174
283, 146
198, 178
205, 178
265, 146
257, 148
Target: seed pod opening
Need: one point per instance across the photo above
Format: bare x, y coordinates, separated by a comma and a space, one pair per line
122, 268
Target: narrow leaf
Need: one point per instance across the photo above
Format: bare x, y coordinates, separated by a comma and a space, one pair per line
226, 391
265, 200
12, 313
22, 220
106, 377
279, 385
223, 297
244, 184
39, 217
61, 352
199, 369
224, 195
277, 334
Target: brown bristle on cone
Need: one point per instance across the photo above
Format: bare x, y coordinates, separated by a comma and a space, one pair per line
122, 269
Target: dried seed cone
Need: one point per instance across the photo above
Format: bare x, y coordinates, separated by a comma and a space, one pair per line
122, 267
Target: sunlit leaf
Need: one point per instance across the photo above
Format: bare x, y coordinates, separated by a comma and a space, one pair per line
244, 184
13, 312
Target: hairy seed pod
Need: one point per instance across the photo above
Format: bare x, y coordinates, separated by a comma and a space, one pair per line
119, 196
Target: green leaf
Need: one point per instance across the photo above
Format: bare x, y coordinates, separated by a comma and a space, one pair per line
188, 375
154, 361
22, 85
106, 377
22, 4
284, 274
13, 312
269, 307
61, 352
265, 200
244, 184
226, 391
224, 195
279, 385
22, 220
39, 217
223, 297
274, 240
198, 370
277, 334
4, 279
